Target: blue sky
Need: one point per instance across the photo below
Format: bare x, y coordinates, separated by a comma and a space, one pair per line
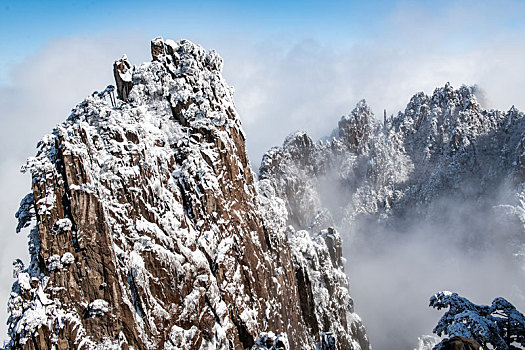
295, 65
26, 26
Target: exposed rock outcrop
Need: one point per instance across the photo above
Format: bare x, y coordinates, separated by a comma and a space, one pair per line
150, 232
325, 303
460, 343
123, 76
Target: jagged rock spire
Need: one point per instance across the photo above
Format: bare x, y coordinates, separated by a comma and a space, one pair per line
122, 72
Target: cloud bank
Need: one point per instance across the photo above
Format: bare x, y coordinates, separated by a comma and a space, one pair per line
462, 247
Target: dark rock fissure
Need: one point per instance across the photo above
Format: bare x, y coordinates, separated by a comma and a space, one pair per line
66, 197
244, 336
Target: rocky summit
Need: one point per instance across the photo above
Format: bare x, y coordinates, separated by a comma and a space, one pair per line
442, 146
148, 229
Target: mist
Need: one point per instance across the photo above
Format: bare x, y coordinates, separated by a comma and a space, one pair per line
467, 246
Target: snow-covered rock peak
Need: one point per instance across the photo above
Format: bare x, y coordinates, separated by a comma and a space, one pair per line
357, 128
149, 229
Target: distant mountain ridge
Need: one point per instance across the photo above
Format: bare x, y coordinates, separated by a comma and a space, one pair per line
440, 144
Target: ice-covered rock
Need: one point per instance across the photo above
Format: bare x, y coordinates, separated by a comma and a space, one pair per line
444, 145
438, 143
427, 342
271, 341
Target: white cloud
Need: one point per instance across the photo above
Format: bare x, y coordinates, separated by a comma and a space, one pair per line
282, 86
307, 86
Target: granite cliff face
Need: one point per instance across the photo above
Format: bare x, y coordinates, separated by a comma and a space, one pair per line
148, 229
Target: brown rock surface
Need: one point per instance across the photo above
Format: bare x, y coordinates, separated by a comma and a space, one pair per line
461, 343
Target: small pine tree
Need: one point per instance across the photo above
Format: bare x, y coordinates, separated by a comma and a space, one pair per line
500, 325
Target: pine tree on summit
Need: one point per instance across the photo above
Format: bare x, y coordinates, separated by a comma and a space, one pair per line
500, 325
